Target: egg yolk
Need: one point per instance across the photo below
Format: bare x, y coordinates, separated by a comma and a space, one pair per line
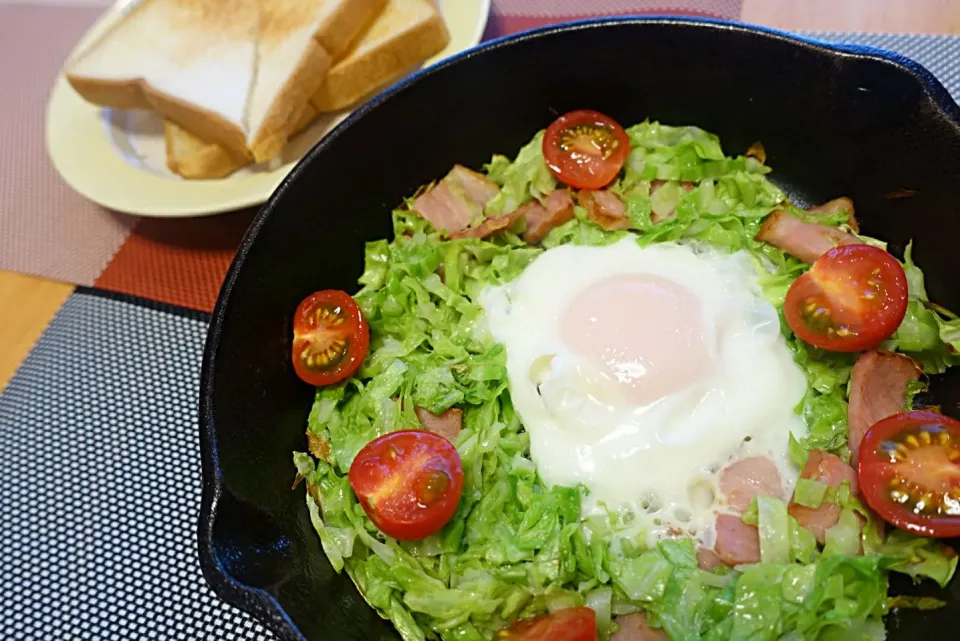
643, 332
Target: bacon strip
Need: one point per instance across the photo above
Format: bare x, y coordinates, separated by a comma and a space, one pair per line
737, 542
634, 627
555, 211
446, 425
744, 479
452, 203
478, 187
489, 226
835, 206
604, 208
831, 470
708, 560
319, 446
806, 241
878, 389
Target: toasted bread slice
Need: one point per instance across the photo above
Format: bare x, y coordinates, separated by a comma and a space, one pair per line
192, 157
193, 62
297, 42
279, 106
406, 33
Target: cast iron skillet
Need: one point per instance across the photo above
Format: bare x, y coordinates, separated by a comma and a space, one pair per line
834, 120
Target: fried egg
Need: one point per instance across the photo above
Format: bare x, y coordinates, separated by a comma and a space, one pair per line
640, 372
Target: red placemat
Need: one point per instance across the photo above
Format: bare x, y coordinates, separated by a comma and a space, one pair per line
48, 230
45, 227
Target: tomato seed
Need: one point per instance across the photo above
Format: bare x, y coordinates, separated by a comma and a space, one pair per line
433, 487
599, 138
904, 492
331, 356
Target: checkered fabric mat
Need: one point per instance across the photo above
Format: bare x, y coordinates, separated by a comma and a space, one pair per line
100, 466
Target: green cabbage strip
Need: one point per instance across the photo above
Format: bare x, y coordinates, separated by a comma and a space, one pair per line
929, 334
516, 548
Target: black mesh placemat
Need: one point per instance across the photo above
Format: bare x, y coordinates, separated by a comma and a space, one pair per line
100, 466
100, 491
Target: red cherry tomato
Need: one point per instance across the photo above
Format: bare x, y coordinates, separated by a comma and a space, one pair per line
909, 472
852, 298
571, 624
330, 337
408, 482
585, 149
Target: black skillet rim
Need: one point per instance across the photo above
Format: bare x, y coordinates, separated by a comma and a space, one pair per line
260, 603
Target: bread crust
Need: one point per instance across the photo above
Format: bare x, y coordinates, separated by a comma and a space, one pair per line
230, 20
358, 75
194, 158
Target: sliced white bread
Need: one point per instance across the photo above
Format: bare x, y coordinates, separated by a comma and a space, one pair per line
192, 61
192, 157
406, 33
195, 158
296, 40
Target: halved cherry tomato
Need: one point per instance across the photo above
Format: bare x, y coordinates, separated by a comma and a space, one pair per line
570, 624
852, 298
585, 149
330, 337
408, 482
909, 471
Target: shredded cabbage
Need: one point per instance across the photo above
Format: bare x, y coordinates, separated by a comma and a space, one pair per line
516, 548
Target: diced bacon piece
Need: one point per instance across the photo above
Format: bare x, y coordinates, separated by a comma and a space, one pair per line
477, 187
444, 209
737, 542
657, 184
446, 425
878, 389
556, 210
452, 203
319, 446
634, 627
835, 206
708, 560
489, 226
818, 521
604, 208
806, 241
831, 470
744, 479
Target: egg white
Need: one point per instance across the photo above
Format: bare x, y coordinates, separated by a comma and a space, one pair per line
658, 460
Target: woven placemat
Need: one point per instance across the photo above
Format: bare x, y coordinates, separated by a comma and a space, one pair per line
100, 467
48, 230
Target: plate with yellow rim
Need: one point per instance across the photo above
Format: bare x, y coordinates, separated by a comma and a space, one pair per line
117, 159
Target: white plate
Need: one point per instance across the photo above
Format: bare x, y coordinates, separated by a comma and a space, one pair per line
116, 158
